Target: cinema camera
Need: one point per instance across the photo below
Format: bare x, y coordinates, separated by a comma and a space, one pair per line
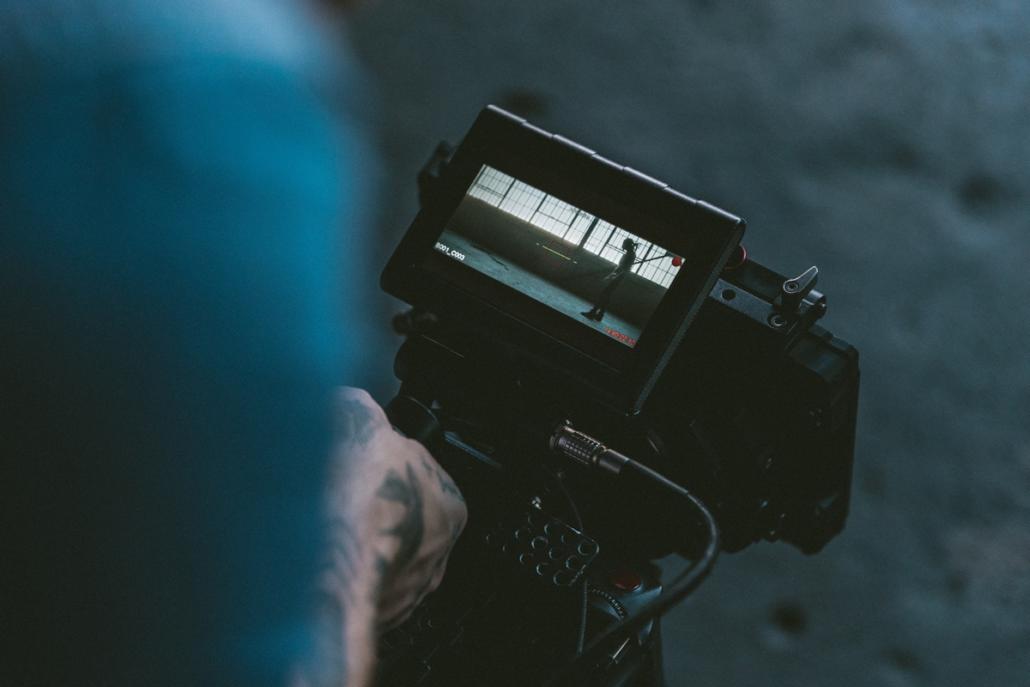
609, 379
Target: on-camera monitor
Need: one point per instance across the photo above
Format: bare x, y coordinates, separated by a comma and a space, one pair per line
590, 270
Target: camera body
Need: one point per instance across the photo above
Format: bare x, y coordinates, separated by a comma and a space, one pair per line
762, 405
703, 365
731, 388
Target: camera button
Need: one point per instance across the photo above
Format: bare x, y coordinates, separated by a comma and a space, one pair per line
587, 548
563, 578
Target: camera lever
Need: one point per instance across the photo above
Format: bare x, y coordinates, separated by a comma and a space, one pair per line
794, 290
799, 299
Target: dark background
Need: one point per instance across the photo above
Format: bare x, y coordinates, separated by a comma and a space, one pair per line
885, 141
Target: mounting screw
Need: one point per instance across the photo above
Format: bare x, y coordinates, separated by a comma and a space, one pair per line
777, 320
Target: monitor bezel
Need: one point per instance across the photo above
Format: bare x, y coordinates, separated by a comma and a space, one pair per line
422, 276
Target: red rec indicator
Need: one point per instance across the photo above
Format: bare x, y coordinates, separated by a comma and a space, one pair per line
624, 338
677, 261
626, 580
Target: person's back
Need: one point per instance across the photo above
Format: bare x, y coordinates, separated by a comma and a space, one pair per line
168, 349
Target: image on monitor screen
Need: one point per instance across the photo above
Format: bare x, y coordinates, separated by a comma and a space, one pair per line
558, 254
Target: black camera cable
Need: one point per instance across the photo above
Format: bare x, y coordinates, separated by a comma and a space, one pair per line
586, 450
577, 520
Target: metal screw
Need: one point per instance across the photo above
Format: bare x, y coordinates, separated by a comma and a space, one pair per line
816, 417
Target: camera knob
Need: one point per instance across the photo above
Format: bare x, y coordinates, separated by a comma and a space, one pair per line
793, 291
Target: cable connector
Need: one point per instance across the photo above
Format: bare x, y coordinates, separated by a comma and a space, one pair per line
585, 449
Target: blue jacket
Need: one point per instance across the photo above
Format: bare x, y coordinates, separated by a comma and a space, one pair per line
180, 187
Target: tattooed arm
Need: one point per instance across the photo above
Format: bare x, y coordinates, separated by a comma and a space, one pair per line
393, 516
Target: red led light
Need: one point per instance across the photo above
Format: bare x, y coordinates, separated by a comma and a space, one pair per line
626, 580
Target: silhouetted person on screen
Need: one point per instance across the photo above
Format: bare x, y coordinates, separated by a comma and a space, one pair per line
613, 279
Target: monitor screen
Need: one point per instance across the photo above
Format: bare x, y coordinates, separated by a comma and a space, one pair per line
590, 270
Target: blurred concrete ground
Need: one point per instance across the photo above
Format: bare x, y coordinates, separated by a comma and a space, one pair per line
887, 142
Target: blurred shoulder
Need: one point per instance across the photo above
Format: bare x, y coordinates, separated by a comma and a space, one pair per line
38, 37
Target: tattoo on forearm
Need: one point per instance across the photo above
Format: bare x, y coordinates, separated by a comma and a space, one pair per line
440, 562
346, 551
410, 529
447, 485
382, 567
343, 548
